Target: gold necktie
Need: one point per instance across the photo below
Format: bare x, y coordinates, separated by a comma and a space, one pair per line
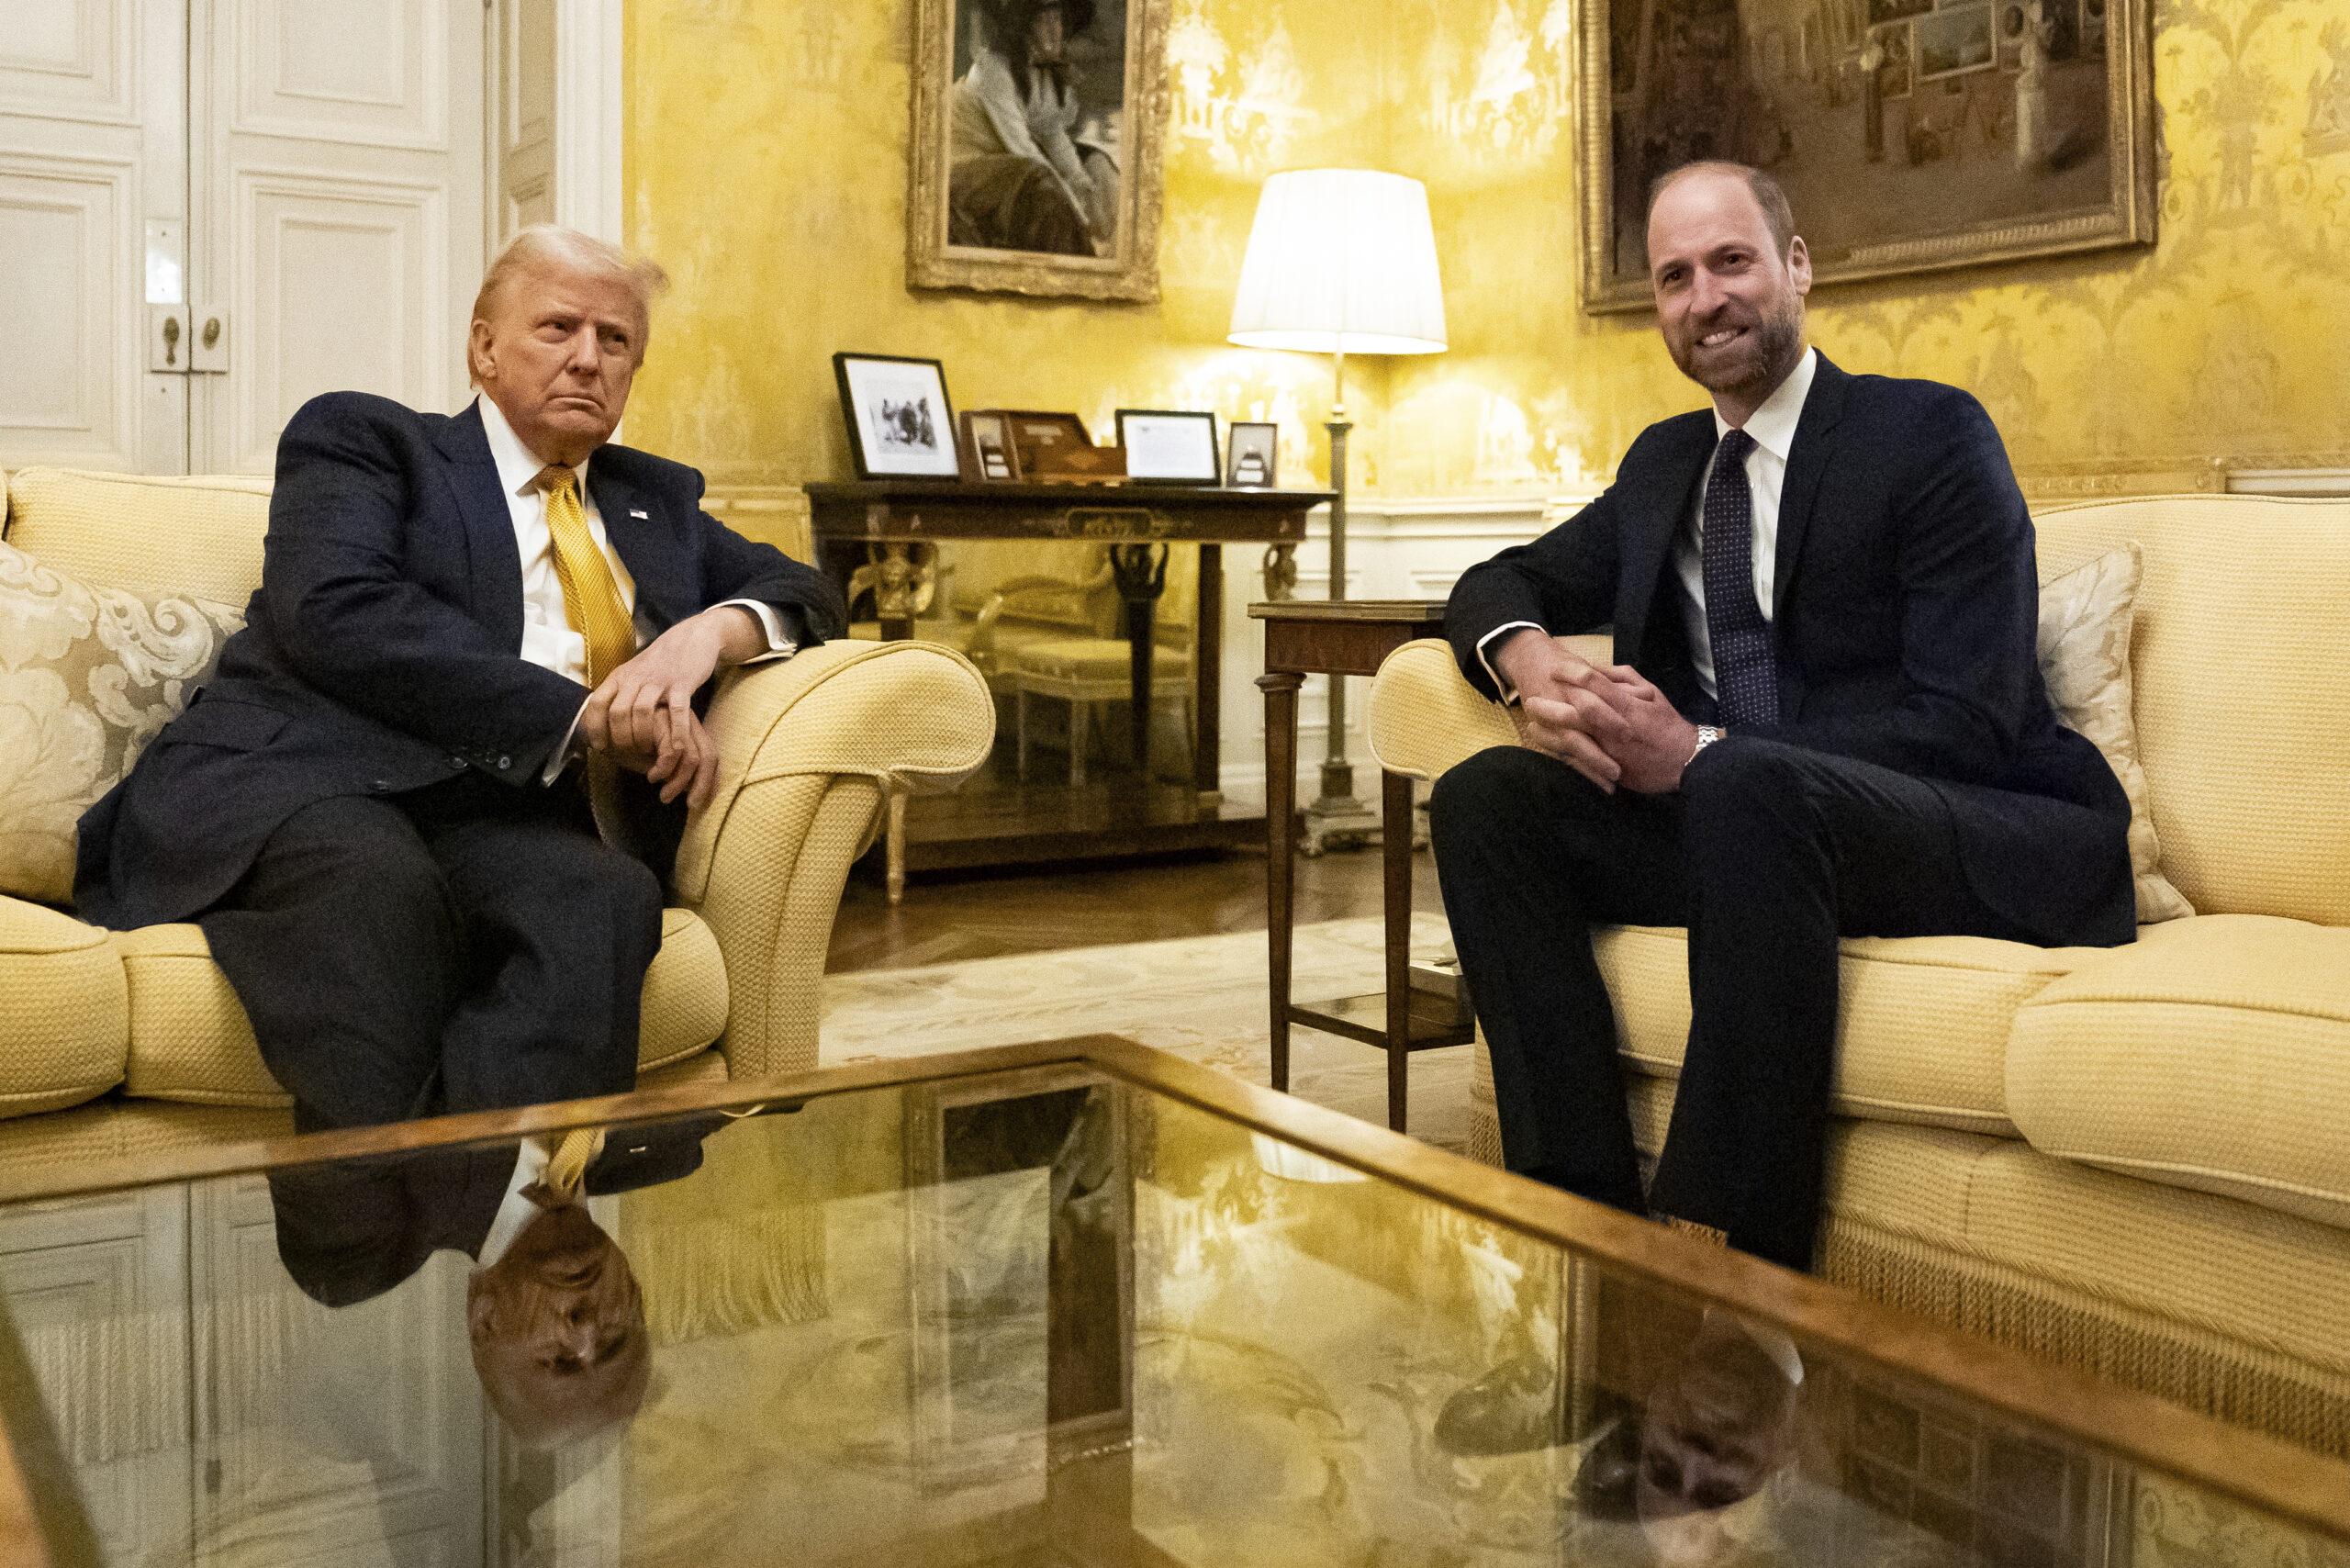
591, 601
566, 1168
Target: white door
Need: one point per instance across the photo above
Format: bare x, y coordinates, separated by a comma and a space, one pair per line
93, 227
287, 196
338, 208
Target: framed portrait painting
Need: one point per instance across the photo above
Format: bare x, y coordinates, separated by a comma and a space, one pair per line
1910, 136
1036, 156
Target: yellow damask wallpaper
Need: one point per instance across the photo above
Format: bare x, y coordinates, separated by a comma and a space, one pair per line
766, 166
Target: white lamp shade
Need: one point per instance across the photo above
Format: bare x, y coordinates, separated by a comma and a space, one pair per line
1341, 260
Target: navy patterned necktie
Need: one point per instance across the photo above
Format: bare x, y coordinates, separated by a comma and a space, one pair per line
1746, 682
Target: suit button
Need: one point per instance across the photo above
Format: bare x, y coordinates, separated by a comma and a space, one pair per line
504, 763
456, 762
382, 786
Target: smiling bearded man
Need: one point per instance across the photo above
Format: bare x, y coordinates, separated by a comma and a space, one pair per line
424, 812
1825, 719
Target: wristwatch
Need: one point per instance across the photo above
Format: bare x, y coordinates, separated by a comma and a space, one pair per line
1707, 735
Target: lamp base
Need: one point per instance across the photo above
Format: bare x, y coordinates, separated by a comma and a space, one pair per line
1337, 821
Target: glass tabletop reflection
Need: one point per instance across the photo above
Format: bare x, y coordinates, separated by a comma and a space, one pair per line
1044, 1314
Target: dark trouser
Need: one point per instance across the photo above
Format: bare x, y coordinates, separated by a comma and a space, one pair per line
462, 947
1767, 855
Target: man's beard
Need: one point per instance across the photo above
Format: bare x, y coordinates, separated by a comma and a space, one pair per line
1767, 354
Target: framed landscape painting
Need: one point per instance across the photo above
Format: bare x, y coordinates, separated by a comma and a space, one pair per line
1035, 158
1910, 136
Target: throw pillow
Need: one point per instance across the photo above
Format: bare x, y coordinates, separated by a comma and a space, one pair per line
87, 675
2085, 617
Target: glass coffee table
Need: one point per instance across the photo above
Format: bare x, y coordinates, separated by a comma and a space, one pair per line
1071, 1303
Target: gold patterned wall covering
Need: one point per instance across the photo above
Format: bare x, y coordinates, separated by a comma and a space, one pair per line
765, 167
2144, 370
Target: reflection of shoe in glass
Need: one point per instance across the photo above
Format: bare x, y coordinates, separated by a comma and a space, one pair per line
1607, 1482
1511, 1409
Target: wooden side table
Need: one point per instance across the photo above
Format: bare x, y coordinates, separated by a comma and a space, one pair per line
1341, 637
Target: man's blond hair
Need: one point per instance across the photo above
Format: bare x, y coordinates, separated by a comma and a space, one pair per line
551, 244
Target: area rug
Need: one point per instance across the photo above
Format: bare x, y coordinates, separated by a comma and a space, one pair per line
1203, 998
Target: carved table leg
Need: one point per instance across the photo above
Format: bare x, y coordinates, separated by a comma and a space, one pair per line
1141, 578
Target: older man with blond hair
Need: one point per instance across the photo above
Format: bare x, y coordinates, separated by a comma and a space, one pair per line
425, 811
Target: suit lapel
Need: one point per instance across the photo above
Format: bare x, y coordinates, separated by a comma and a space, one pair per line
1823, 409
496, 560
1659, 508
650, 559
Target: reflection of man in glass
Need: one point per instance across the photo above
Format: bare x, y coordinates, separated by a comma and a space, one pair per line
1021, 180
556, 1321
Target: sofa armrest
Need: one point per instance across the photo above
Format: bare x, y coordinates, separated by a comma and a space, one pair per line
809, 749
1425, 718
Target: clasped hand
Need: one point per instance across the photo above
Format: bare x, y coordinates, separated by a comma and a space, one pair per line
1606, 722
643, 715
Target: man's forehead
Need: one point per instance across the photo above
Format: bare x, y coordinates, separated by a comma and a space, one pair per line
553, 287
1705, 210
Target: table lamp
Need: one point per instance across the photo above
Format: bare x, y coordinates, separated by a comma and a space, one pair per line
1340, 262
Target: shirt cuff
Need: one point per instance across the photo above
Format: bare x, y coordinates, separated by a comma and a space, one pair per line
780, 645
1509, 692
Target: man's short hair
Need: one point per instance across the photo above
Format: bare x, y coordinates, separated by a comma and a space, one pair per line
1767, 194
568, 248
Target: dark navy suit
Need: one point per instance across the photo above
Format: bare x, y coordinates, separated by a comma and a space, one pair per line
1916, 782
353, 806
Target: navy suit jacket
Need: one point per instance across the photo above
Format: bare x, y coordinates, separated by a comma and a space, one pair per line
381, 652
1905, 627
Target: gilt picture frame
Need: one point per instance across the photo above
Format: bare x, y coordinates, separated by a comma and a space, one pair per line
1911, 136
1036, 164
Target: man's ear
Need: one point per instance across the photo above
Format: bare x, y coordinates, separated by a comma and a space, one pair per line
1799, 263
480, 351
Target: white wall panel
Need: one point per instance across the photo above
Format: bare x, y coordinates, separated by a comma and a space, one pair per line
344, 284
69, 311
371, 72
70, 58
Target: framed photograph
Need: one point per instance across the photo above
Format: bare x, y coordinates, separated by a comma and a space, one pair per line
1037, 144
1926, 136
900, 422
1169, 446
988, 449
1255, 454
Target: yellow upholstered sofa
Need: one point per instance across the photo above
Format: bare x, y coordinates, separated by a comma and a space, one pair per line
2134, 1160
131, 1042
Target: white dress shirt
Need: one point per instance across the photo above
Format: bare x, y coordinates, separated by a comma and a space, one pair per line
1772, 426
515, 1212
548, 640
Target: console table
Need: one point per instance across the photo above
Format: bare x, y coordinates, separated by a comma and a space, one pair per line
902, 520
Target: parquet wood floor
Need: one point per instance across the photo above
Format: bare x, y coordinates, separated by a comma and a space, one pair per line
983, 915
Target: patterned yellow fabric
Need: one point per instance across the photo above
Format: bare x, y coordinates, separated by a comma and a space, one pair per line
88, 675
2214, 1054
1424, 719
196, 536
65, 1016
2085, 618
591, 599
191, 1041
920, 717
2242, 615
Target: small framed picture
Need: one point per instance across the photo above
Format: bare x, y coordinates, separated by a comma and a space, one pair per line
1169, 446
900, 424
1256, 449
1053, 448
989, 452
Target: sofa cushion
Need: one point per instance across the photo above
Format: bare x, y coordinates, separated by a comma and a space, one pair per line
149, 533
1923, 1021
64, 1014
88, 675
2084, 620
2245, 774
190, 1039
2214, 1054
